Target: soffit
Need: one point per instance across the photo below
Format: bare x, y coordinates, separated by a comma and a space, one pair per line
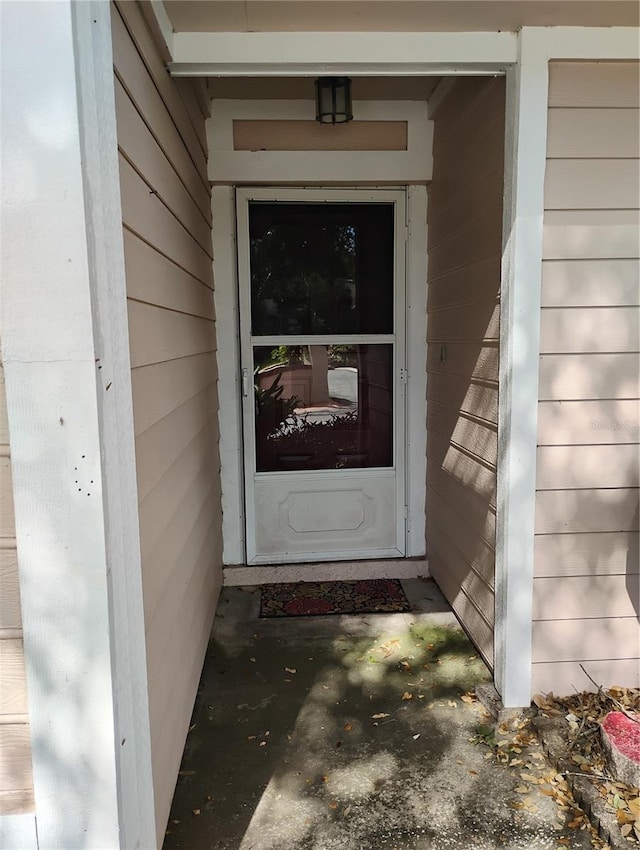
301, 88
394, 15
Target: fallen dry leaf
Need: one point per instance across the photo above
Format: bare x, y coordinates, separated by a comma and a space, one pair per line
407, 695
290, 670
347, 727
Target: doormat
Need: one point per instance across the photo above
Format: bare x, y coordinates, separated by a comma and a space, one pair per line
318, 598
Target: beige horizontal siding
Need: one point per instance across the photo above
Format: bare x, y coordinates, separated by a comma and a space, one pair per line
166, 208
588, 376
157, 280
583, 467
553, 676
598, 553
159, 334
586, 597
10, 614
586, 593
602, 85
459, 323
464, 229
476, 397
575, 511
592, 184
273, 135
592, 133
16, 778
591, 234
16, 781
160, 387
585, 640
589, 329
579, 423
591, 283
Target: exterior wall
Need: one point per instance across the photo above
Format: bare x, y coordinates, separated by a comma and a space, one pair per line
391, 16
167, 238
464, 243
586, 593
16, 781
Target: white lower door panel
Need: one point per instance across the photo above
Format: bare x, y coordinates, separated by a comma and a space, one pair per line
325, 516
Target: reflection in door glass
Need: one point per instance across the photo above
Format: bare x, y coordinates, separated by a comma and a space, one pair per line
321, 268
323, 407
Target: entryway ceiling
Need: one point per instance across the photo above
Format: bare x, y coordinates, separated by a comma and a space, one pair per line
301, 88
394, 15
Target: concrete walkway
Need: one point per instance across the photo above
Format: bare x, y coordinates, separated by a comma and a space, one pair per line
351, 733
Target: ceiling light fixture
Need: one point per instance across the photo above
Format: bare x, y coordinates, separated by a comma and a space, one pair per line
333, 100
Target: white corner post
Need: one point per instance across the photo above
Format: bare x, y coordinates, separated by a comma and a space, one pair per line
525, 161
66, 359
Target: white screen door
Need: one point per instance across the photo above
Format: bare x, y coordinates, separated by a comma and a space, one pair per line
321, 276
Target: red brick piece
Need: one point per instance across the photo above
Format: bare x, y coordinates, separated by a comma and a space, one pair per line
621, 739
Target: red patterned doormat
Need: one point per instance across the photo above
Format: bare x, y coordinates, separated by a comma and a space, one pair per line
307, 599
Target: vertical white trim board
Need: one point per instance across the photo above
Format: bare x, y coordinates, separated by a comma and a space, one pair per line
229, 385
525, 162
229, 379
107, 281
65, 354
18, 832
416, 342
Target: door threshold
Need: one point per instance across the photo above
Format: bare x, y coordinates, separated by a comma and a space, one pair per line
239, 575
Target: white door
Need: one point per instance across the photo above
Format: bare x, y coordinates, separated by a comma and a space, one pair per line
322, 319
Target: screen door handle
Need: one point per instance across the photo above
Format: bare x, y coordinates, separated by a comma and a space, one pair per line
245, 382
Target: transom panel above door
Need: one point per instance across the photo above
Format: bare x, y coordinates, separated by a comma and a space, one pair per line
322, 326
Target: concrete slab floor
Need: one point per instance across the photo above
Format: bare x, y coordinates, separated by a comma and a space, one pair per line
304, 737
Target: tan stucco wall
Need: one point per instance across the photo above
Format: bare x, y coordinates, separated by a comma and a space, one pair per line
464, 244
168, 257
16, 780
586, 595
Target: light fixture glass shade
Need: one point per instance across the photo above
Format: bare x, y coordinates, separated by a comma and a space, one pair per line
333, 100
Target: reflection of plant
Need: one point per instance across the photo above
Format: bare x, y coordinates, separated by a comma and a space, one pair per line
271, 408
328, 443
288, 354
341, 355
302, 273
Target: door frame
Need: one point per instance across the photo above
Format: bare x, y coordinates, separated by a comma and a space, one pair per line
414, 235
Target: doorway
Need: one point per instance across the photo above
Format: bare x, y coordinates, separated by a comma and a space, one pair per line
322, 332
